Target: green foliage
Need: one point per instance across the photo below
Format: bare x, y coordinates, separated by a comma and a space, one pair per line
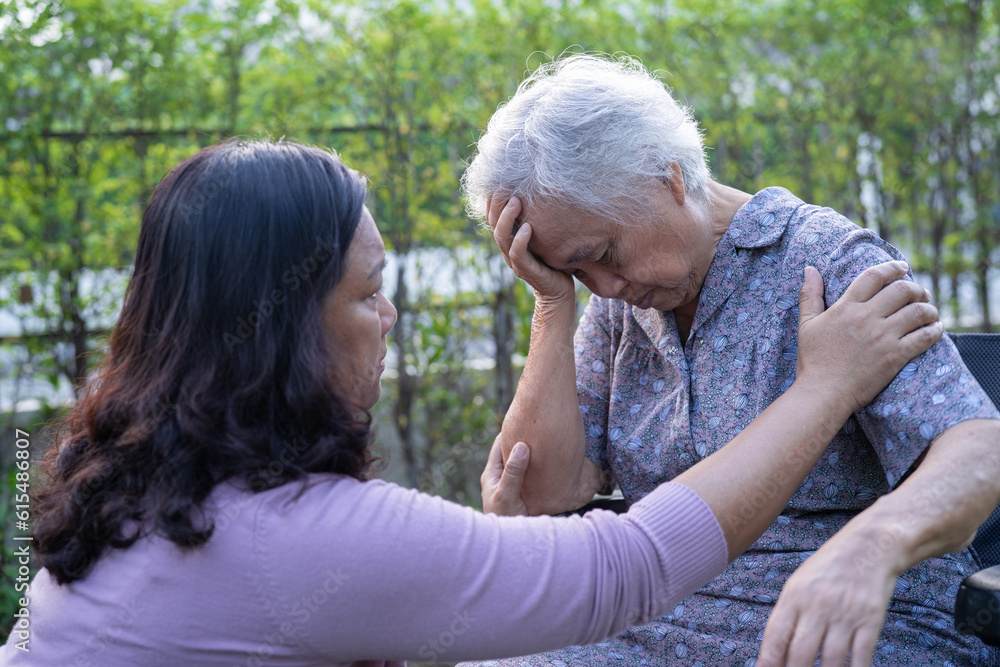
830, 99
457, 406
100, 99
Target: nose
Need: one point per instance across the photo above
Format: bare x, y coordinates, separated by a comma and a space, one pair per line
387, 313
606, 283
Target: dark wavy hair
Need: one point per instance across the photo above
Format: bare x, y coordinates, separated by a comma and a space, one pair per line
219, 366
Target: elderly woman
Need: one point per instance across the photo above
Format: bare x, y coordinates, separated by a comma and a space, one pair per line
592, 170
209, 502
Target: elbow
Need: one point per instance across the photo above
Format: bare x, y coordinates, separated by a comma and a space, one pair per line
567, 491
551, 501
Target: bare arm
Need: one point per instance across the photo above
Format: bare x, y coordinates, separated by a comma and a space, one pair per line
545, 410
749, 481
936, 510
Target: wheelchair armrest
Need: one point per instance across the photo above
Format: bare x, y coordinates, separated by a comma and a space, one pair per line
615, 502
977, 605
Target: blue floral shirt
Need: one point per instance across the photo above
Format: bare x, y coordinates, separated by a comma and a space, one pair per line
653, 407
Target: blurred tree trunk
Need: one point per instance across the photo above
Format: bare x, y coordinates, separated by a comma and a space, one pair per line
951, 299
233, 54
985, 234
803, 134
503, 336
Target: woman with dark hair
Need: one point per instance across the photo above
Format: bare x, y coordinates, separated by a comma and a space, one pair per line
208, 502
218, 366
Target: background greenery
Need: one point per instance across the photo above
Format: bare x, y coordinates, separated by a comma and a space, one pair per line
886, 111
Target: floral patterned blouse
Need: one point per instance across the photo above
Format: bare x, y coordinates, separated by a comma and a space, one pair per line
653, 407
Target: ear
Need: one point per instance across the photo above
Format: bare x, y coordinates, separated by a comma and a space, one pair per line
676, 183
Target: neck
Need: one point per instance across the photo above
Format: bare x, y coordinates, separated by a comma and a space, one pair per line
725, 202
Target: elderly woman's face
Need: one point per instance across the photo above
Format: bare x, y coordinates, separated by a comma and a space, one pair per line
650, 263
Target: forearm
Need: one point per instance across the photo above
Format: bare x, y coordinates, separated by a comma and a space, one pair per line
545, 413
937, 509
748, 482
524, 584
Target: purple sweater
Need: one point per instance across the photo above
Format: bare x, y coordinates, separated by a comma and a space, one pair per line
350, 571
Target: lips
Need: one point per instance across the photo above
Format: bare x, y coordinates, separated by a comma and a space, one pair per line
645, 302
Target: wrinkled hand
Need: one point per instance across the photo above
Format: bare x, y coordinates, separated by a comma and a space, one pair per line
863, 340
501, 483
548, 284
834, 604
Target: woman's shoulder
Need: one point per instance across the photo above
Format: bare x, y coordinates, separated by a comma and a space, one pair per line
316, 492
821, 228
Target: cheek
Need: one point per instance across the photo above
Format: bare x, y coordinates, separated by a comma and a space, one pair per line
672, 276
360, 334
374, 331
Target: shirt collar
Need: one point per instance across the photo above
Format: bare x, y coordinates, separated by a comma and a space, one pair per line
762, 220
757, 224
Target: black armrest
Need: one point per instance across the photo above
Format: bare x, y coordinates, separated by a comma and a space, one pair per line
981, 354
615, 502
977, 606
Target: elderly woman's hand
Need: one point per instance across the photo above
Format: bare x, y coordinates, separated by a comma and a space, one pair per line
501, 483
549, 285
834, 605
862, 341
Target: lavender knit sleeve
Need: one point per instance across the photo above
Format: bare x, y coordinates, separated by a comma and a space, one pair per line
365, 571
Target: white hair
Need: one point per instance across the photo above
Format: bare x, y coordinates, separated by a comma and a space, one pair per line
591, 132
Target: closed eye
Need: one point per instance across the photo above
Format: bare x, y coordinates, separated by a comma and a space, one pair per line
607, 257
